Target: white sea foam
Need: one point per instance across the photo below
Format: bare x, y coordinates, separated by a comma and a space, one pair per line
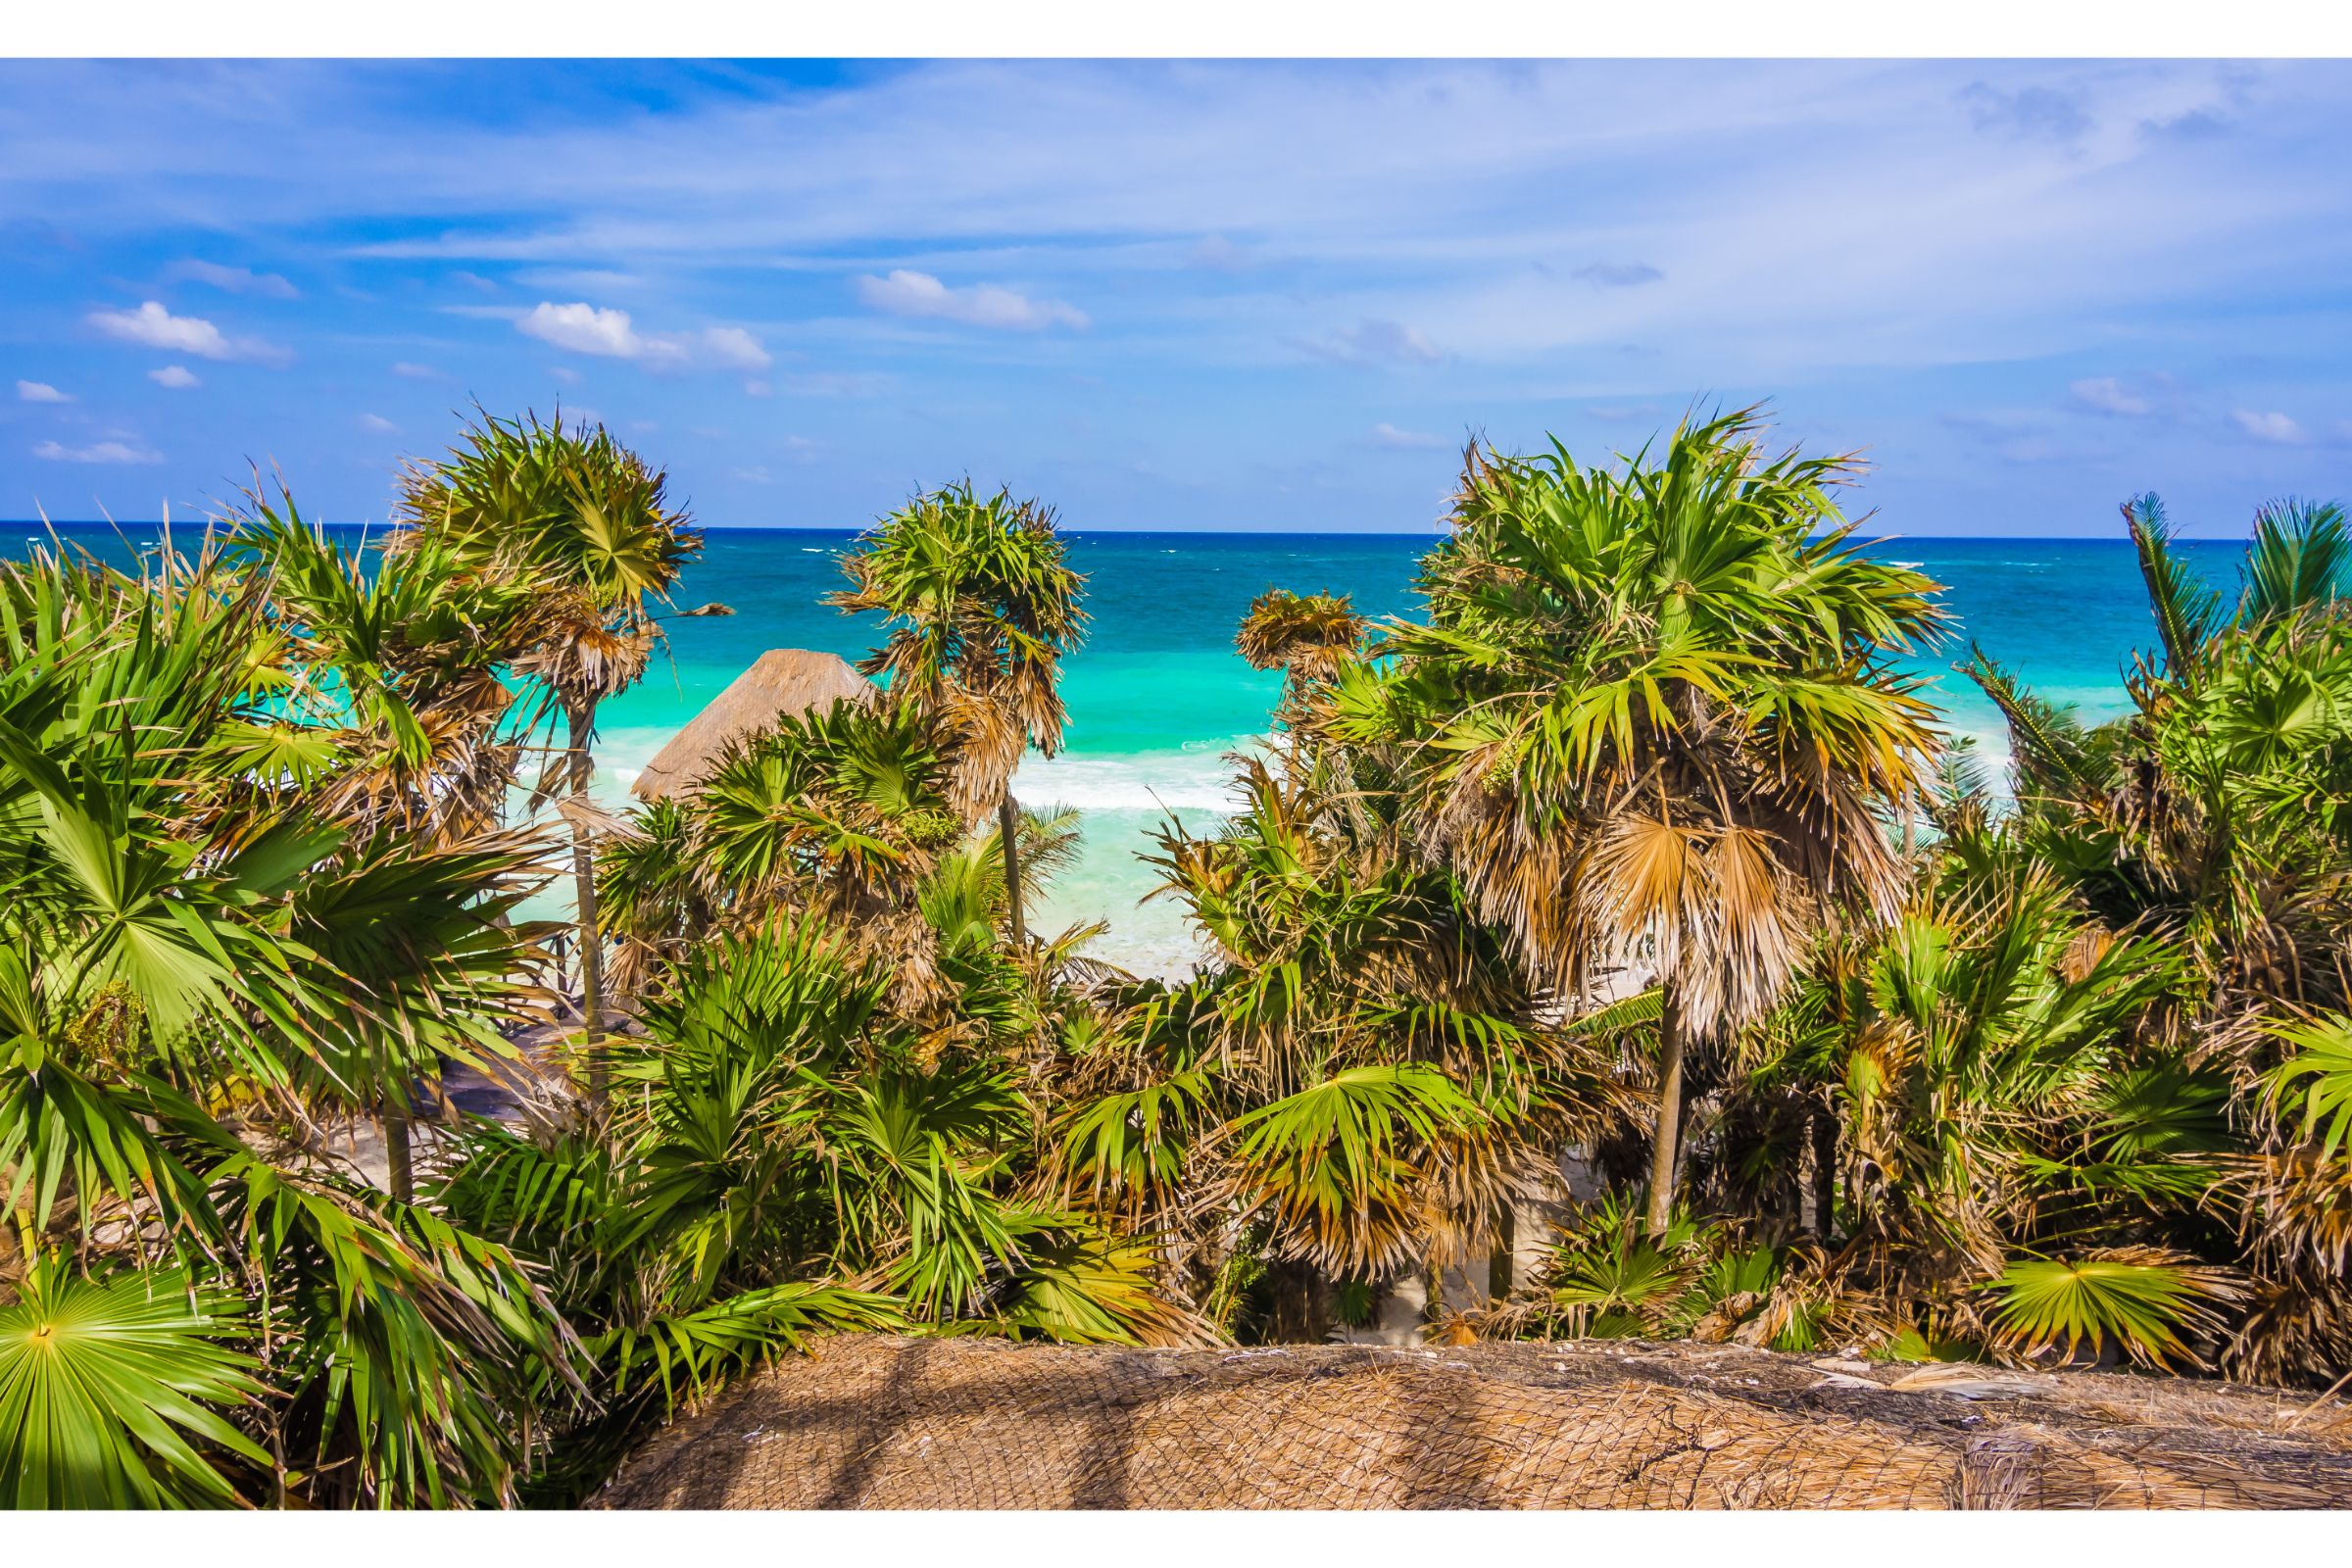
1196, 778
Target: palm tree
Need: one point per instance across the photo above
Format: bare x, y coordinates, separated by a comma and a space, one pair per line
1362, 1076
1651, 719
395, 669
791, 1157
200, 961
2218, 812
980, 608
1305, 636
587, 528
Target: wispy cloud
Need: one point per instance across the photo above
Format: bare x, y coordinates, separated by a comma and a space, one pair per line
1617, 274
1217, 254
106, 452
234, 279
2278, 429
177, 377
989, 304
377, 424
156, 327
42, 392
2104, 394
1390, 438
2031, 112
1244, 237
1374, 342
736, 348
411, 370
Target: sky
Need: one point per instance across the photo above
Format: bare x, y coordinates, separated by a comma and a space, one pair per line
1270, 296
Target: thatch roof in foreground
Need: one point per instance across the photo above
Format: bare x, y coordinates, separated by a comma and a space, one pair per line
782, 680
873, 1422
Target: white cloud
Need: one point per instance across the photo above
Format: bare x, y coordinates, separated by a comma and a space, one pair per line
1983, 247
584, 328
565, 373
474, 280
377, 424
42, 392
101, 452
736, 348
179, 378
1389, 436
757, 474
411, 371
1375, 342
758, 389
919, 294
2275, 428
235, 280
2105, 394
158, 328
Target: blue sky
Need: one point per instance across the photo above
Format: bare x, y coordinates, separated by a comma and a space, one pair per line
1179, 295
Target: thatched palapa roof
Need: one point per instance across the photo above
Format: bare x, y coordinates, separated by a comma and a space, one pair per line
868, 1422
782, 680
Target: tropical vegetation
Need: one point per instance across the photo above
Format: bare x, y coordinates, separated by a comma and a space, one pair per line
1619, 948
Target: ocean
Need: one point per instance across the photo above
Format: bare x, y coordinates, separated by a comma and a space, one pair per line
1157, 699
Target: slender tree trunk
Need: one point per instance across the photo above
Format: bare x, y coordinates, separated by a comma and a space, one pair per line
402, 1171
583, 872
1670, 1113
1499, 1261
1294, 1296
1008, 826
1825, 1172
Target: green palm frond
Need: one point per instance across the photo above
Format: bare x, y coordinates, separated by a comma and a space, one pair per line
2144, 1299
2301, 562
688, 1353
115, 1393
2189, 614
2317, 1075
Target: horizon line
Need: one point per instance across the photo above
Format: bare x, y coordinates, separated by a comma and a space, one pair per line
105, 523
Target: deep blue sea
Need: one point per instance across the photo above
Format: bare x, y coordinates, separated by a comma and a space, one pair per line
1157, 697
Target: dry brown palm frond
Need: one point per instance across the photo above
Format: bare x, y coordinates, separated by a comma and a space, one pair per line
2297, 1329
1308, 635
2295, 1207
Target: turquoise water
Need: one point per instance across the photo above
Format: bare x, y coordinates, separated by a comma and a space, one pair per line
1157, 698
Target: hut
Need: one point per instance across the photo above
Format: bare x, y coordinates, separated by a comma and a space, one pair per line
782, 680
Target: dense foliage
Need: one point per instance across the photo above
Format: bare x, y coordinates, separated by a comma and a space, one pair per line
1637, 869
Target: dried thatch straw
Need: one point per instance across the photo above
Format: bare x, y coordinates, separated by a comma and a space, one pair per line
782, 680
869, 1422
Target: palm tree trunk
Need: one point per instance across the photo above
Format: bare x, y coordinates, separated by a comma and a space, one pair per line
401, 1170
583, 873
1008, 826
1825, 1172
1506, 1241
1670, 1113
